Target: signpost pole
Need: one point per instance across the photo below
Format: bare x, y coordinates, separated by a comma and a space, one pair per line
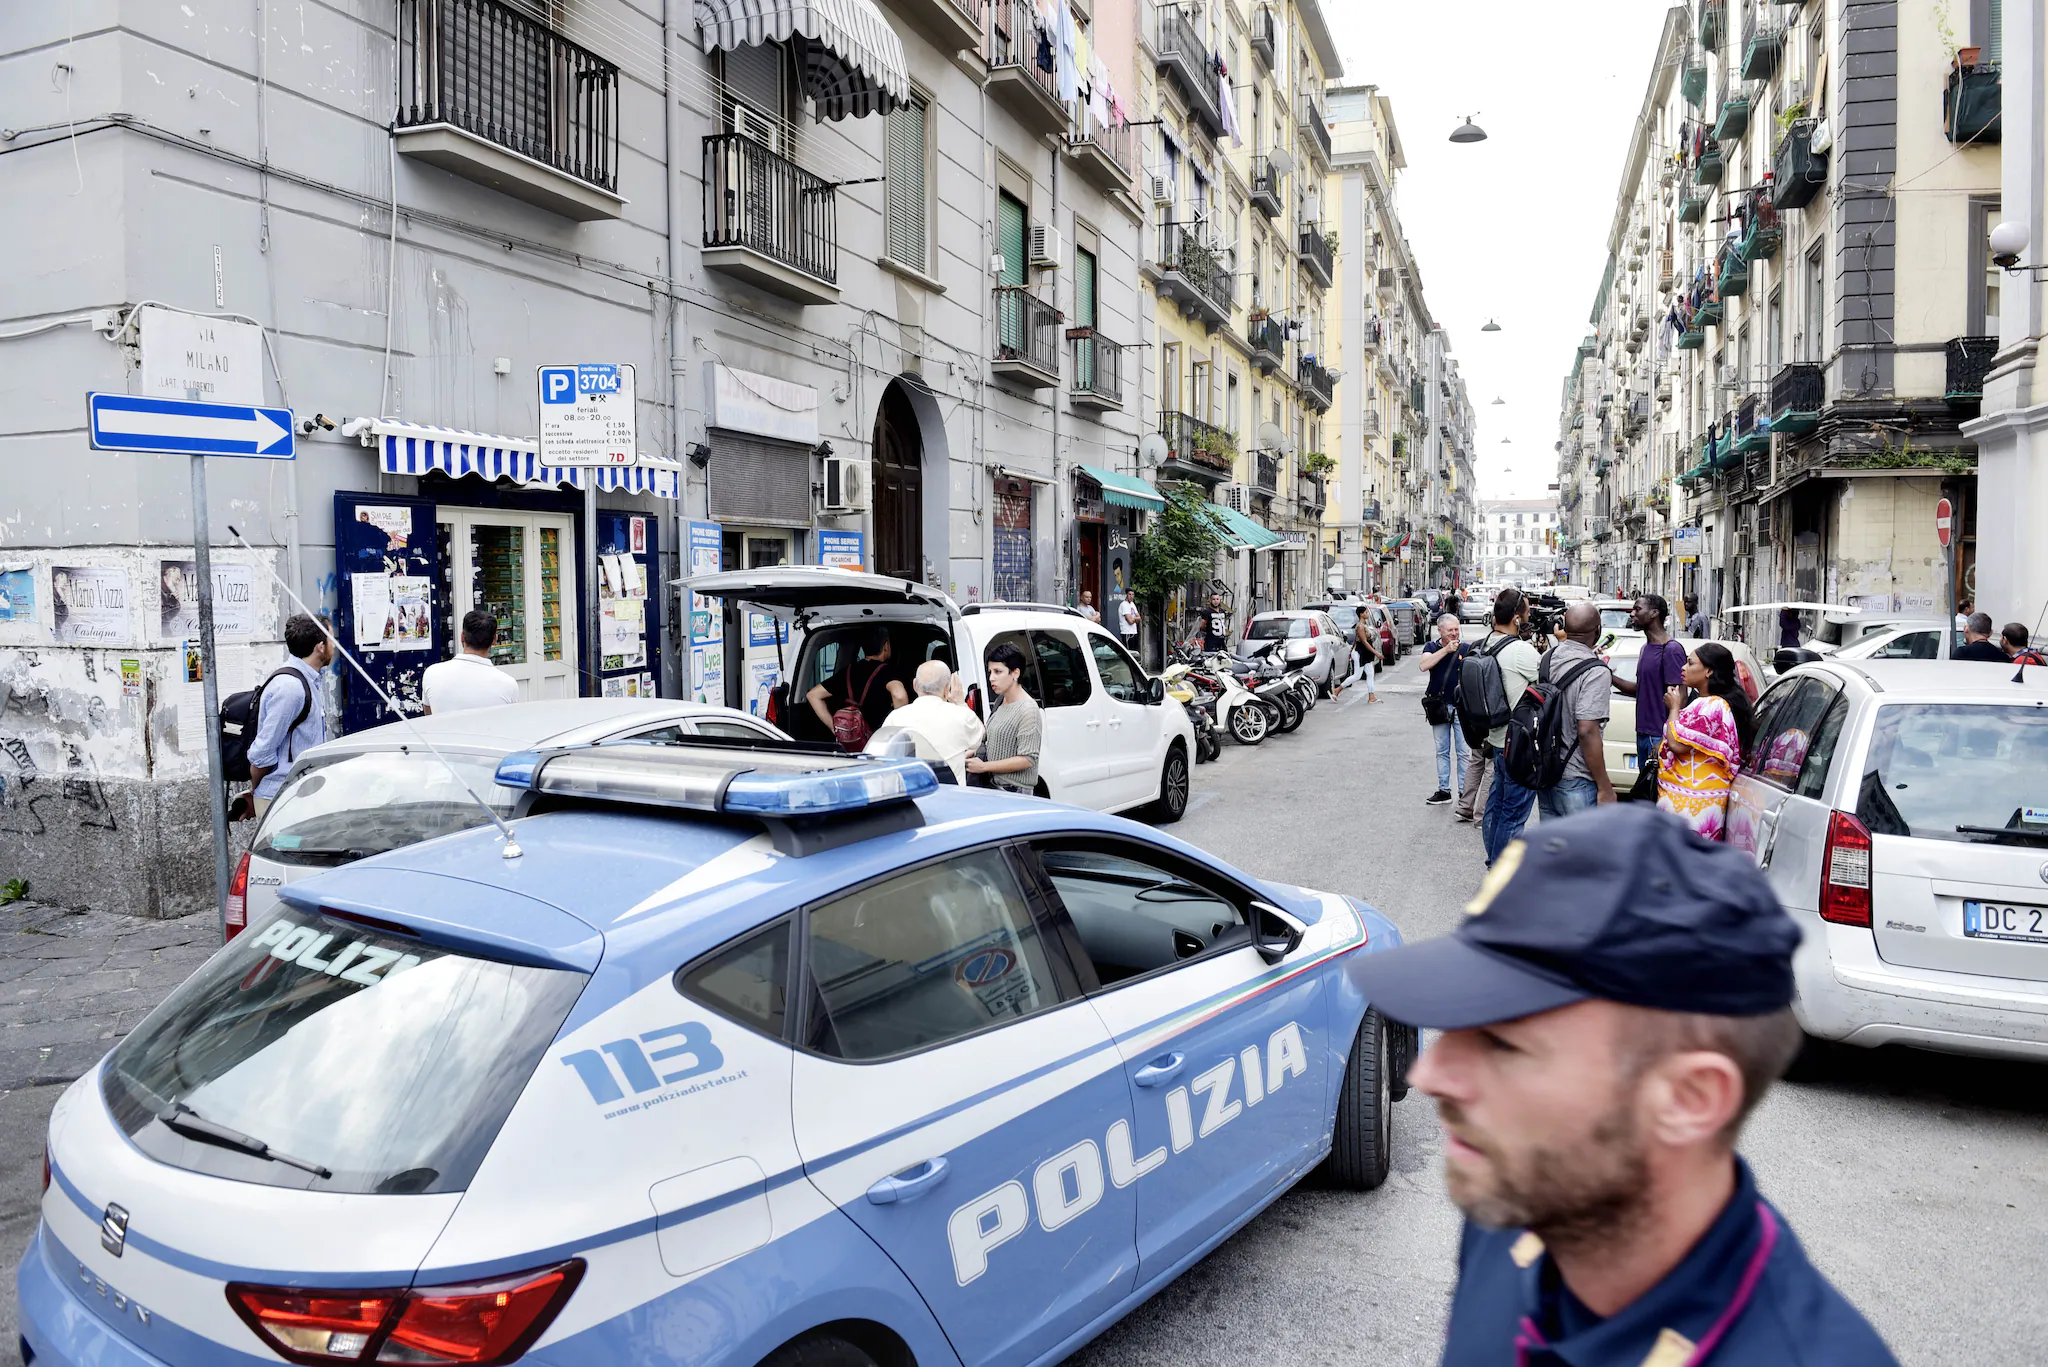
592, 601
216, 784
1944, 532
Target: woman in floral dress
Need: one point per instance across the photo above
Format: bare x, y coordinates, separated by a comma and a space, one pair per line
1704, 742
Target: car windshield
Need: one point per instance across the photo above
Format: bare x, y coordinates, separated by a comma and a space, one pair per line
1934, 767
1343, 614
365, 804
1616, 619
377, 1057
1278, 629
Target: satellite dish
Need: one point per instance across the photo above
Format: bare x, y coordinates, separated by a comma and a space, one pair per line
1281, 161
1271, 438
1152, 450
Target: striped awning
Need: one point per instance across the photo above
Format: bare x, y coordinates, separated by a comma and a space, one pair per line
1124, 491
406, 448
849, 59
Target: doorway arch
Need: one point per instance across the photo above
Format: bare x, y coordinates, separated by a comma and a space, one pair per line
910, 483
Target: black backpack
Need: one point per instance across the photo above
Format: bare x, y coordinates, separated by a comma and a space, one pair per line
1541, 736
238, 717
1483, 693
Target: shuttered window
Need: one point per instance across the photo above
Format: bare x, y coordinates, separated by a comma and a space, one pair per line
1010, 237
905, 197
1084, 287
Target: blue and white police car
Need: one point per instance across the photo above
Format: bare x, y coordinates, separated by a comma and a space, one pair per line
740, 1055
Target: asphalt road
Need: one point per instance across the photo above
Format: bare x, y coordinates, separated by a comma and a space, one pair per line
1918, 1182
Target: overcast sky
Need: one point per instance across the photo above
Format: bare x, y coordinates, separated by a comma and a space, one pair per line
1513, 228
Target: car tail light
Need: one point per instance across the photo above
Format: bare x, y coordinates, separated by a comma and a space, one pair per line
238, 898
1845, 872
477, 1323
1314, 630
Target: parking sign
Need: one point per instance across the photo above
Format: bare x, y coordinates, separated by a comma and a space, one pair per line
587, 415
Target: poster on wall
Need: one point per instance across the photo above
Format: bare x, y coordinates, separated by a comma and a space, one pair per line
234, 601
762, 676
707, 674
841, 550
17, 595
763, 630
392, 611
637, 535
90, 604
707, 549
622, 642
395, 523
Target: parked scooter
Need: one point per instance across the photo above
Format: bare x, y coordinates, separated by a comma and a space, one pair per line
1182, 688
1236, 711
1273, 657
1277, 685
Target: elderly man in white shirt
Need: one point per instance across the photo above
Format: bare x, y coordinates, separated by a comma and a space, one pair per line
944, 732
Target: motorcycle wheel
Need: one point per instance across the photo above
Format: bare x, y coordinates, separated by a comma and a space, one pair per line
1211, 747
1309, 694
1291, 710
1249, 724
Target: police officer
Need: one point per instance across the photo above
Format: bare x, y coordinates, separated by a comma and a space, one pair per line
1613, 1006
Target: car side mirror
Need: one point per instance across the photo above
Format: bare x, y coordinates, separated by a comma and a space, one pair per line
1275, 934
1155, 691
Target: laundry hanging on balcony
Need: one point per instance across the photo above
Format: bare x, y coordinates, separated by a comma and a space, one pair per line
851, 61
406, 448
1228, 105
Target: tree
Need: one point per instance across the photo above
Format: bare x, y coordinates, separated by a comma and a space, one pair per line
1180, 545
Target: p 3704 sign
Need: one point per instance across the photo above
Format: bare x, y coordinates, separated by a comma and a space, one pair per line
587, 415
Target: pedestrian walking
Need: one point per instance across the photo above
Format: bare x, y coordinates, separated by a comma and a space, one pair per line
469, 679
1441, 663
1660, 666
1695, 620
2014, 635
944, 732
289, 718
1705, 741
1977, 643
1613, 1007
1088, 606
1507, 802
1015, 729
1584, 700
1367, 654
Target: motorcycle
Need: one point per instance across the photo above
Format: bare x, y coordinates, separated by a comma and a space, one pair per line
1182, 688
1306, 693
1277, 686
1234, 709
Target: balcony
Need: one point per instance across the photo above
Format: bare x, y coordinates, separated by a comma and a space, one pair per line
1763, 233
1027, 338
1732, 279
1015, 79
1185, 62
1369, 422
1707, 167
1969, 361
1797, 392
1418, 396
1309, 489
1692, 83
1269, 344
1713, 24
1692, 208
1970, 104
1798, 173
951, 25
1315, 131
1371, 514
1751, 431
1098, 371
1733, 120
768, 221
1317, 386
1317, 254
1105, 155
1267, 186
1763, 46
1266, 474
1196, 450
1385, 285
1265, 33
489, 94
1191, 272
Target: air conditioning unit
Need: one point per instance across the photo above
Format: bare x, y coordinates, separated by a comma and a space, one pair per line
1730, 377
848, 482
1162, 189
749, 123
1236, 497
1046, 247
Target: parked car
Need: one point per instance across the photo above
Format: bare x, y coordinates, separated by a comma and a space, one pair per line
380, 789
1113, 741
1914, 641
1307, 639
1476, 605
1619, 736
1344, 612
1409, 617
1616, 614
1824, 627
1900, 809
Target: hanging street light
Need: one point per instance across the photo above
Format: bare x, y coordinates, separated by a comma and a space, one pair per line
1497, 401
1469, 132
1491, 326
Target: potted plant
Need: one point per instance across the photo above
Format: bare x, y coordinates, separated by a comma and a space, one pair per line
1317, 463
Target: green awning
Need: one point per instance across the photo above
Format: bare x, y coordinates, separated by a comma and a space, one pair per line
1239, 531
1125, 491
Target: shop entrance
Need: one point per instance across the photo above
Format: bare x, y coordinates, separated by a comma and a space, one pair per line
521, 568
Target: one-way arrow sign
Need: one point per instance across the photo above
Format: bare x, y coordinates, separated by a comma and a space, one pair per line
124, 422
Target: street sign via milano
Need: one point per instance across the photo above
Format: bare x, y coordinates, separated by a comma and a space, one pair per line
587, 415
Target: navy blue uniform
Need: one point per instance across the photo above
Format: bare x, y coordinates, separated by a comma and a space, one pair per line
1512, 1308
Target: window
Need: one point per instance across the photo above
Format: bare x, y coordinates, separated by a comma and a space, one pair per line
1983, 305
729, 730
1086, 278
906, 192
1137, 912
1169, 376
1230, 402
745, 981
1062, 672
1813, 774
1913, 645
1814, 329
925, 957
1782, 741
1935, 767
1010, 219
1199, 386
1121, 677
1774, 328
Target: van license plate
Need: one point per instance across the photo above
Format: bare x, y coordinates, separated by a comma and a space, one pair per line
1628, 761
2003, 921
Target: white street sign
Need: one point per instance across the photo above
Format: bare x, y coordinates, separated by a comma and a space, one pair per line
185, 356
587, 415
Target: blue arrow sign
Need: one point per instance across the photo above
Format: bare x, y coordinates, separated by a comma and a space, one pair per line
124, 422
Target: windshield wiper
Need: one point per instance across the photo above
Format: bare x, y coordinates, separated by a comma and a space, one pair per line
2015, 832
188, 1122
318, 852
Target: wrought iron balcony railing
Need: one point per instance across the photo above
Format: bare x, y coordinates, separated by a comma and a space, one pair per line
1184, 58
1266, 478
1027, 329
1267, 187
1265, 34
1316, 254
494, 72
1797, 392
1315, 129
1193, 271
1194, 442
758, 199
1269, 343
1969, 361
1318, 386
1098, 369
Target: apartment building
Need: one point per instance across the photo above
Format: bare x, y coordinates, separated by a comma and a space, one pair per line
1401, 514
1794, 319
1515, 541
874, 265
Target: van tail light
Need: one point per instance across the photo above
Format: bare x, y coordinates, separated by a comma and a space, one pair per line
477, 1323
238, 898
1845, 872
773, 714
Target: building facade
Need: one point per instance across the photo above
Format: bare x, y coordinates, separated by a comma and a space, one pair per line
1793, 323
1515, 542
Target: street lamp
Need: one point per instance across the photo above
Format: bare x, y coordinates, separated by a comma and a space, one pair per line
1469, 132
1497, 401
1491, 326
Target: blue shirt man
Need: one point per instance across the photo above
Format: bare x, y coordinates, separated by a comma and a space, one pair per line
1613, 1005
289, 719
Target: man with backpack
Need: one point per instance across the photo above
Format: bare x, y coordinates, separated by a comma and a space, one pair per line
1565, 739
861, 695
289, 719
1490, 682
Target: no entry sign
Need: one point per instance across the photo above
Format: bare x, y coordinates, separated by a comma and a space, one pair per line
1944, 522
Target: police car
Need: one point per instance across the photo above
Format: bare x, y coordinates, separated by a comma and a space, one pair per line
729, 1054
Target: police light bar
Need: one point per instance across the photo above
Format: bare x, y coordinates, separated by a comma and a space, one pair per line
704, 779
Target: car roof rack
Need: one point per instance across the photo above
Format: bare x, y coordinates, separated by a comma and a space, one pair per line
972, 608
809, 801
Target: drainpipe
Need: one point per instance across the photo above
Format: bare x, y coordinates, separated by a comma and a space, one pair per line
677, 632
1059, 489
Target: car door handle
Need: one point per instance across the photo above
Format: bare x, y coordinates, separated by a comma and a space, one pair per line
1159, 1070
909, 1184
1770, 833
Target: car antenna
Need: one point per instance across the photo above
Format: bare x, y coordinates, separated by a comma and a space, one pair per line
511, 849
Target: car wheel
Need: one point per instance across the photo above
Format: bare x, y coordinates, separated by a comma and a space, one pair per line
1361, 1143
819, 1350
1172, 803
1249, 724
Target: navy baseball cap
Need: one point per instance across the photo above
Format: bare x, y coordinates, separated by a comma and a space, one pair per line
1623, 903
